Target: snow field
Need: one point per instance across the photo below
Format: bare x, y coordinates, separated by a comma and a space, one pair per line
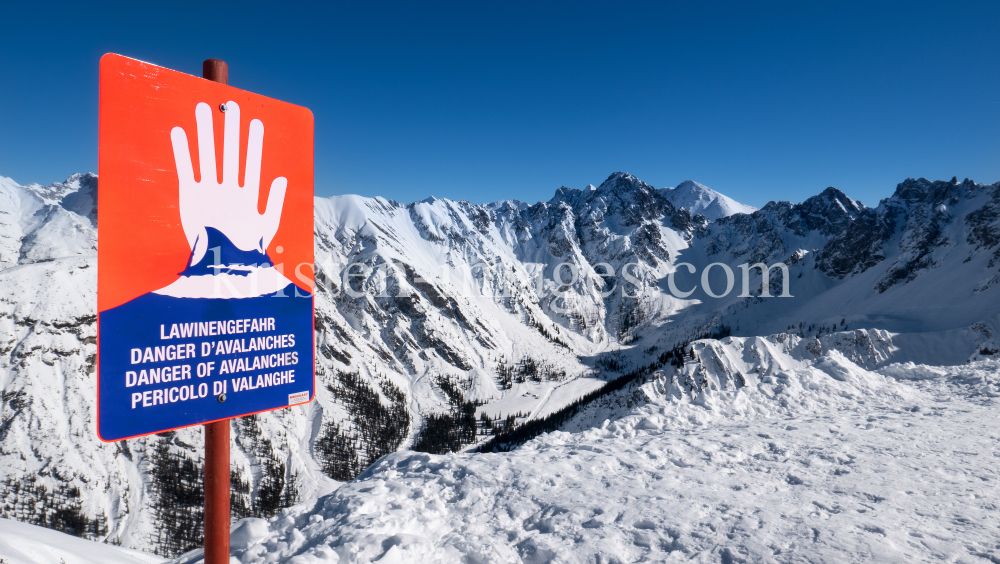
836, 465
21, 543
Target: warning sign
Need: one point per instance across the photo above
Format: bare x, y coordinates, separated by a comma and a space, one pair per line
205, 251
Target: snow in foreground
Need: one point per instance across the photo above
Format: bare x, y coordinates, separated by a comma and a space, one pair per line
21, 543
877, 469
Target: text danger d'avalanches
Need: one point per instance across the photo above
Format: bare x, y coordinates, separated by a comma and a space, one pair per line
264, 357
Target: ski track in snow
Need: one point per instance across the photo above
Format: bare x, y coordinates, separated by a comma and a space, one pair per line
905, 474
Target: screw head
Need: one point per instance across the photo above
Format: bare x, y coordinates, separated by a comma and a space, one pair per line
222, 398
222, 108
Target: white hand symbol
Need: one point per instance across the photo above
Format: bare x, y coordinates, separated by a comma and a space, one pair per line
226, 206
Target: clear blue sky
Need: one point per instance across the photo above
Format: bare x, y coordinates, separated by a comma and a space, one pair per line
485, 101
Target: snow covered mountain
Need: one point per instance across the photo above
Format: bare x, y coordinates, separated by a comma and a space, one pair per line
699, 199
441, 324
923, 260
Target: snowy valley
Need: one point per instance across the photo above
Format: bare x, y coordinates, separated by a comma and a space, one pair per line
842, 411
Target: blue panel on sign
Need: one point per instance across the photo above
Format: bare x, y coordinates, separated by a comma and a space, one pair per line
166, 360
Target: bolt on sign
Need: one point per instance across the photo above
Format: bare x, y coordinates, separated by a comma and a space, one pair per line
205, 251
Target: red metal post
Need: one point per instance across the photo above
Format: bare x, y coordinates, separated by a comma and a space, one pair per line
215, 70
217, 492
216, 434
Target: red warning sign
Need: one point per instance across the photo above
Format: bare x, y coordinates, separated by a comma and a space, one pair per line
205, 251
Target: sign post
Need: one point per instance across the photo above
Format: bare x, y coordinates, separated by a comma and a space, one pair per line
217, 488
204, 288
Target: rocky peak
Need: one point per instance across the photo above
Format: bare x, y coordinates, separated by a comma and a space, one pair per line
84, 199
832, 200
54, 193
924, 191
684, 222
622, 197
828, 212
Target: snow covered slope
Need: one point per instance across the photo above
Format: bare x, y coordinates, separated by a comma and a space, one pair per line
21, 543
807, 457
699, 199
451, 311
